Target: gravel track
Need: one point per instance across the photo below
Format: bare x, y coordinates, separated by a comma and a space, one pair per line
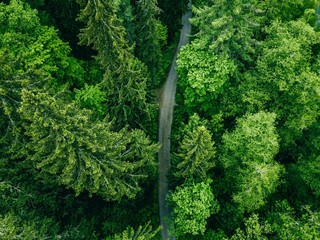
167, 101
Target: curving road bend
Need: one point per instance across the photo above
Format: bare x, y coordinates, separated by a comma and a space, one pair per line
167, 101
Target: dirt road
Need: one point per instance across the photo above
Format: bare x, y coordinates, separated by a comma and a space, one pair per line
167, 101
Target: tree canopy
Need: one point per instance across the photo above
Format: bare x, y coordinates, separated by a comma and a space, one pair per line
81, 85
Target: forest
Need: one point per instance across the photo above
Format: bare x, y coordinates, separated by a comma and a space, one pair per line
80, 92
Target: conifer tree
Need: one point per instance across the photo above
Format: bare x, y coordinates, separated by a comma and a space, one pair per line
125, 76
228, 27
73, 150
151, 34
31, 56
195, 153
142, 233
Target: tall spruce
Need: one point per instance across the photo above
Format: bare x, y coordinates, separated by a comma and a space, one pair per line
125, 76
151, 34
72, 149
195, 153
228, 27
31, 56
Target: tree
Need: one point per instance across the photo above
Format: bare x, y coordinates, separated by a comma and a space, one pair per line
73, 150
32, 56
195, 153
283, 81
285, 223
193, 203
228, 27
142, 233
253, 230
151, 34
19, 219
12, 227
281, 223
171, 14
203, 76
304, 171
286, 11
125, 76
247, 156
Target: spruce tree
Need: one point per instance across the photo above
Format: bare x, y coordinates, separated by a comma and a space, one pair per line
125, 76
195, 153
151, 34
72, 149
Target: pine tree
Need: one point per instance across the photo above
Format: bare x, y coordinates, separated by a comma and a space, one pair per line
228, 27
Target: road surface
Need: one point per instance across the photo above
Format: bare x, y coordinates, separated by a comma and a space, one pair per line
167, 101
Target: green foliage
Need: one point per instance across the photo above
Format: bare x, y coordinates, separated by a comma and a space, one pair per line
286, 225
142, 233
253, 140
248, 154
309, 171
255, 183
82, 154
283, 81
125, 76
203, 75
92, 97
228, 27
307, 166
19, 217
193, 203
281, 223
195, 154
253, 230
47, 54
12, 227
286, 10
31, 56
151, 34
251, 72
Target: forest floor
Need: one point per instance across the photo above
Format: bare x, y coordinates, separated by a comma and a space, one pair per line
166, 104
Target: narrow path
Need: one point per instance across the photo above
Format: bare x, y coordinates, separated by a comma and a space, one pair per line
165, 121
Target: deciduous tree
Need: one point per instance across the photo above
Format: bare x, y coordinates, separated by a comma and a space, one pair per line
283, 81
248, 158
193, 203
